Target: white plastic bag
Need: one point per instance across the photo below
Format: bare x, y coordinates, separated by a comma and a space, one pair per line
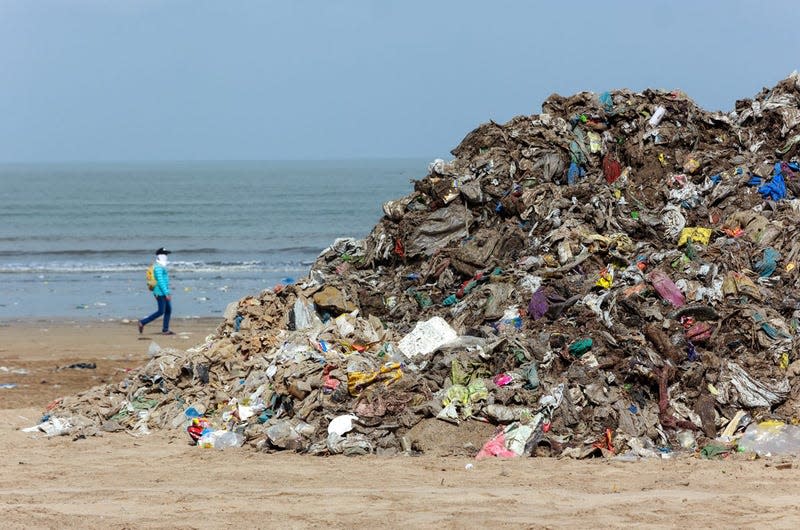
427, 337
341, 425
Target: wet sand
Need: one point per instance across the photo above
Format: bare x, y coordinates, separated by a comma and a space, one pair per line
159, 481
45, 349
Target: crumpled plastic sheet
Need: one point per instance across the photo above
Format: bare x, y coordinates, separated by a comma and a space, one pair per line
52, 427
440, 228
696, 234
673, 220
767, 264
426, 337
388, 374
509, 443
770, 438
458, 399
666, 288
749, 392
775, 189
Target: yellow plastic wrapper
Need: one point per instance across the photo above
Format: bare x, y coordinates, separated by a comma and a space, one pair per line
606, 278
357, 381
697, 234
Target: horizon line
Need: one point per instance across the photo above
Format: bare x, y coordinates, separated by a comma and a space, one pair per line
214, 160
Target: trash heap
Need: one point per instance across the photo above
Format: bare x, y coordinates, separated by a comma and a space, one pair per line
618, 274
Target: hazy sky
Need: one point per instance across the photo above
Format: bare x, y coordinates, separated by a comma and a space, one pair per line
295, 79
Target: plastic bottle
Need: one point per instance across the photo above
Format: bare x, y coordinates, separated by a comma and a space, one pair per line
655, 119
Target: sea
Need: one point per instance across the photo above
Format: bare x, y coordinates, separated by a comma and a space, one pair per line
76, 238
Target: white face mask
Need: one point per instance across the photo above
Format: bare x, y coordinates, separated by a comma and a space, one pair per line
161, 259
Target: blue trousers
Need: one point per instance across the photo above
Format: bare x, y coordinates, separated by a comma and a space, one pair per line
164, 308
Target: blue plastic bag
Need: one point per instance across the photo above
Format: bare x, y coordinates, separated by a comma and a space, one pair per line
775, 189
767, 265
607, 101
575, 171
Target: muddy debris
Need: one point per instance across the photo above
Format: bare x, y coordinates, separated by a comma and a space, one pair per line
616, 275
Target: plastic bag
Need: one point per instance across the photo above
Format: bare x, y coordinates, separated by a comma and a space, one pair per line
508, 443
427, 337
697, 234
666, 288
767, 265
304, 316
220, 440
771, 438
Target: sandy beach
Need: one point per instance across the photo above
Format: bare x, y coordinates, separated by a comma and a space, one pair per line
36, 355
159, 481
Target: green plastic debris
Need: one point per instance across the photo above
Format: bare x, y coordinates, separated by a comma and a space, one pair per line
423, 299
142, 403
579, 347
714, 450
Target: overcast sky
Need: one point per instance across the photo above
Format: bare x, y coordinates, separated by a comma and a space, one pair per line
93, 80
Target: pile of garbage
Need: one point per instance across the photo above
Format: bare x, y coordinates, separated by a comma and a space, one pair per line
615, 275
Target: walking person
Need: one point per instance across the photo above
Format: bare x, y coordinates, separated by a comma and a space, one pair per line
161, 292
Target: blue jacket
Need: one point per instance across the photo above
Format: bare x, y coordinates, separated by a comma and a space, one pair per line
162, 281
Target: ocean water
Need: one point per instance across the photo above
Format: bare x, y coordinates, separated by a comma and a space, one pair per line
75, 239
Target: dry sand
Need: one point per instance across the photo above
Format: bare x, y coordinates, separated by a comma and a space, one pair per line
159, 481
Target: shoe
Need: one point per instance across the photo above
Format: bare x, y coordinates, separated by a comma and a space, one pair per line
167, 332
141, 326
